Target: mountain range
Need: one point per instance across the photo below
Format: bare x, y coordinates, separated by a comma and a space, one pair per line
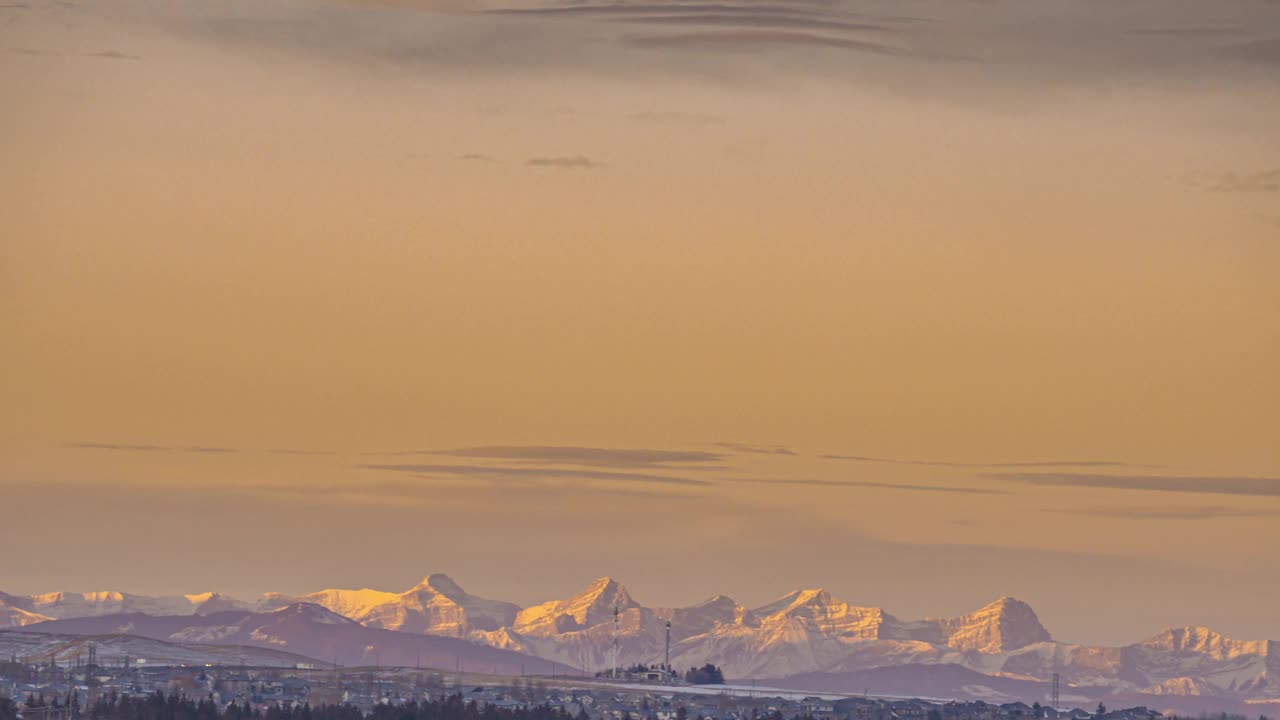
807, 639
308, 631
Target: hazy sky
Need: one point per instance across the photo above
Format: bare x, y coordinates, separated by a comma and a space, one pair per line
926, 302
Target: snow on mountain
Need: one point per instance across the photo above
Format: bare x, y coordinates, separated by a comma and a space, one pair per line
821, 613
578, 631
799, 632
806, 633
1006, 624
803, 631
811, 630
305, 629
706, 615
592, 606
1200, 660
113, 649
435, 606
19, 610
17, 617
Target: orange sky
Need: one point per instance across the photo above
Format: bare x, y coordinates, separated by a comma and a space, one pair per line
1022, 236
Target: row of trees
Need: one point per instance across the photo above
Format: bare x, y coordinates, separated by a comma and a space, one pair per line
706, 675
158, 706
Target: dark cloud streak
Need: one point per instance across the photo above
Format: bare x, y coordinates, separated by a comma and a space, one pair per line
1254, 486
564, 162
528, 473
940, 463
1230, 182
756, 449
151, 448
870, 484
575, 455
114, 55
1166, 513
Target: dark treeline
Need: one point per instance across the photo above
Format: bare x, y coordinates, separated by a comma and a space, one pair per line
159, 706
706, 675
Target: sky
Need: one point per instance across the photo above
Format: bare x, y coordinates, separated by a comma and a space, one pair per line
923, 302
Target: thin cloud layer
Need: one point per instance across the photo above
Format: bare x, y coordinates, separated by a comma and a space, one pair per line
564, 162
941, 463
152, 448
1260, 182
756, 449
498, 472
872, 484
998, 46
751, 39
1165, 513
676, 118
114, 55
1257, 486
577, 455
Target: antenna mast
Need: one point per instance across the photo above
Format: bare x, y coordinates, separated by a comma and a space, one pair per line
615, 642
666, 655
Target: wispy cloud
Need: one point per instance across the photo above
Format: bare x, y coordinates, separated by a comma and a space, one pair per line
114, 55
1231, 182
773, 15
678, 118
1026, 464
1264, 51
729, 20
1233, 485
151, 448
756, 449
418, 489
564, 162
747, 39
872, 484
576, 455
1165, 513
476, 157
1263, 181
119, 446
499, 472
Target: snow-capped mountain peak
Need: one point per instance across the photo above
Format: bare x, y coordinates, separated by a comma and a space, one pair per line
311, 612
1197, 640
808, 631
442, 584
435, 606
1004, 624
594, 605
56, 605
